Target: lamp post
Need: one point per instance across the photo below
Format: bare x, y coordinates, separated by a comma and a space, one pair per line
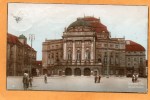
31, 38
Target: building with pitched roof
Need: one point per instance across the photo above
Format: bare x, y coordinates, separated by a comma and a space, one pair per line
20, 56
87, 48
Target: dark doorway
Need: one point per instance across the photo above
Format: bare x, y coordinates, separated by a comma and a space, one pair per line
60, 73
68, 71
44, 71
33, 72
87, 72
77, 72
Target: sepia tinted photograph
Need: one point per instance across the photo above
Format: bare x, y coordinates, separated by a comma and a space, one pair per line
72, 47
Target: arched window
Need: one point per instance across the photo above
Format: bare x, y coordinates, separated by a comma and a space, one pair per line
117, 59
87, 55
69, 55
78, 55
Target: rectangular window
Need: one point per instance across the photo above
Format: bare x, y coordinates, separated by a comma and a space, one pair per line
52, 47
105, 60
56, 46
134, 59
111, 45
128, 64
141, 60
117, 46
111, 60
105, 45
100, 45
117, 60
128, 59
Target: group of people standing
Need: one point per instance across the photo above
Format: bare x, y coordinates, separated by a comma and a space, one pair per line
27, 81
97, 78
135, 78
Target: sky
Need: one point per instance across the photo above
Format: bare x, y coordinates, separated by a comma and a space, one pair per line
47, 21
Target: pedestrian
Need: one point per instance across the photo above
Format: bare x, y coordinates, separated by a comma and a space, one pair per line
133, 78
45, 78
136, 77
96, 79
99, 78
25, 81
30, 80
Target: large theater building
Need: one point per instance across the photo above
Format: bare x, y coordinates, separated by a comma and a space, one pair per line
87, 48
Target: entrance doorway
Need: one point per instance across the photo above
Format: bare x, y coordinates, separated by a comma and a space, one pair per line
77, 72
68, 71
87, 72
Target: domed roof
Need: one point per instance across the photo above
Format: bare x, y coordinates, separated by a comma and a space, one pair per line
79, 22
91, 22
133, 46
22, 37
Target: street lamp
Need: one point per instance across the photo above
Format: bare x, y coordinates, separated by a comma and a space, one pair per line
31, 38
107, 57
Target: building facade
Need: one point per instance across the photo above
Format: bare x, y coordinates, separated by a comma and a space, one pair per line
135, 58
20, 56
86, 48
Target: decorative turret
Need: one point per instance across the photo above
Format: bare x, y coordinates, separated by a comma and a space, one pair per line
22, 39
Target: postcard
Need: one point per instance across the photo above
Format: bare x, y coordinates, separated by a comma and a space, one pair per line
72, 47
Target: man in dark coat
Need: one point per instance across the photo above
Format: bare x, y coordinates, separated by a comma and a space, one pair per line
99, 78
45, 78
95, 78
25, 81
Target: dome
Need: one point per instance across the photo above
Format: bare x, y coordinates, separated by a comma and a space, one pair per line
79, 22
22, 37
91, 22
133, 46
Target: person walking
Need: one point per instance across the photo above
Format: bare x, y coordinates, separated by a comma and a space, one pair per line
95, 79
25, 81
30, 80
99, 79
136, 77
45, 78
133, 78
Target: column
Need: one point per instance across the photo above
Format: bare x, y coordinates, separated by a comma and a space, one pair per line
73, 55
64, 48
83, 50
92, 50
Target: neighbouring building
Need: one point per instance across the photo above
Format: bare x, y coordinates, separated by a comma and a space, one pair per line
87, 48
135, 58
20, 56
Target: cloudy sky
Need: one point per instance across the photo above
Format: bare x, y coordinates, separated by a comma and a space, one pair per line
47, 21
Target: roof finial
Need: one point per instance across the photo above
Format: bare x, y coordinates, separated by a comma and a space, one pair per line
99, 19
65, 29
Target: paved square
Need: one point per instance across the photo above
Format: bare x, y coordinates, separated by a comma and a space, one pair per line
81, 83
